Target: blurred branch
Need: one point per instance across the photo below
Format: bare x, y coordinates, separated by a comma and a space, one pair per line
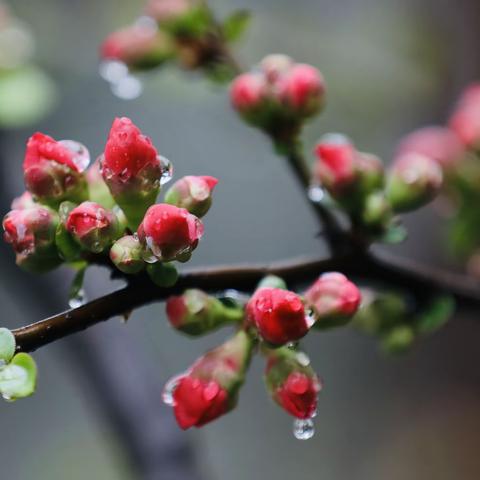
142, 291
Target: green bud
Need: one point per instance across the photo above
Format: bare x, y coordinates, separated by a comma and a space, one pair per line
127, 255
7, 345
163, 274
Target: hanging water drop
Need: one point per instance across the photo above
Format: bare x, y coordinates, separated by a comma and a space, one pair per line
127, 88
113, 70
78, 300
167, 170
81, 155
316, 193
303, 429
310, 318
170, 386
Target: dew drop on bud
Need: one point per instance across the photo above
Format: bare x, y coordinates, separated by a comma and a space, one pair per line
303, 429
310, 318
167, 170
302, 359
81, 154
292, 345
78, 300
127, 88
316, 193
170, 386
113, 70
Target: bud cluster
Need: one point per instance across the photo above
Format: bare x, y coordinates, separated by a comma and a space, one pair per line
69, 212
279, 96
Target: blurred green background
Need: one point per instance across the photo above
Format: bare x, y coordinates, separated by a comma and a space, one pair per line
390, 66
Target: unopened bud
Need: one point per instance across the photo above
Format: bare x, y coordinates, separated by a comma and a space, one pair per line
163, 274
127, 254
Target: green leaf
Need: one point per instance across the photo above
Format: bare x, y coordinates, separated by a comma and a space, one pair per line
7, 345
235, 25
18, 378
436, 314
398, 340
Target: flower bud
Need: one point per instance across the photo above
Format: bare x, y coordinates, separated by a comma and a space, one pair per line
31, 232
333, 299
53, 170
97, 188
292, 382
335, 167
465, 121
210, 388
167, 10
438, 143
196, 313
192, 193
302, 89
92, 226
377, 211
127, 254
139, 46
276, 65
169, 232
25, 200
279, 315
414, 180
248, 94
132, 169
398, 340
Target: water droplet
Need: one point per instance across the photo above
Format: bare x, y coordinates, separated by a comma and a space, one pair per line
78, 300
238, 297
292, 345
113, 71
170, 386
316, 193
6, 397
302, 359
310, 318
167, 170
303, 429
97, 247
146, 22
127, 88
81, 154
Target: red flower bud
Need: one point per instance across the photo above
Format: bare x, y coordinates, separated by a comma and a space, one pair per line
192, 193
279, 315
276, 65
414, 180
53, 170
333, 299
438, 143
138, 46
210, 388
131, 168
25, 200
93, 227
302, 88
31, 232
292, 382
248, 93
335, 168
169, 232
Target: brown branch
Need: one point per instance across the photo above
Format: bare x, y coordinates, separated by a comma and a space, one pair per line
142, 291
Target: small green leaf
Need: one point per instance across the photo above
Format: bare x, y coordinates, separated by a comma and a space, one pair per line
235, 25
398, 340
7, 345
18, 378
436, 314
394, 234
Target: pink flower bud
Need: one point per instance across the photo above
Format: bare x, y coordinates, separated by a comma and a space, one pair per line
25, 200
276, 65
31, 232
138, 46
292, 382
279, 315
169, 232
333, 298
192, 193
248, 93
465, 121
97, 188
132, 169
438, 143
414, 181
92, 226
167, 10
53, 170
335, 168
127, 254
302, 88
210, 388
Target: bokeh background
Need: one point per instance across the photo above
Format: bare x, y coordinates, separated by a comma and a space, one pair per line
391, 65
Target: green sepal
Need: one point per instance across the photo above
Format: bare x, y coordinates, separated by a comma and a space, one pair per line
18, 378
272, 281
7, 345
163, 274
